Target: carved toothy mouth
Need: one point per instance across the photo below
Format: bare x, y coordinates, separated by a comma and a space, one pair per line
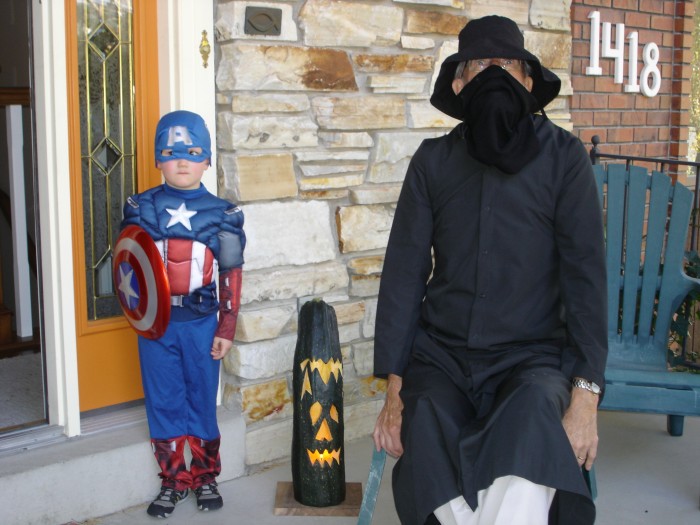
324, 458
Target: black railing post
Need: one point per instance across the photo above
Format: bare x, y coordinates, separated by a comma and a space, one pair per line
694, 218
595, 139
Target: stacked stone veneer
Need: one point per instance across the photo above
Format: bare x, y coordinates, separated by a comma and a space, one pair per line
315, 130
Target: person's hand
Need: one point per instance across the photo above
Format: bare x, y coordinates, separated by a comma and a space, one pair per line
387, 430
581, 425
220, 348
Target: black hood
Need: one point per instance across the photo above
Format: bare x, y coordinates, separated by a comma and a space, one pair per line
491, 37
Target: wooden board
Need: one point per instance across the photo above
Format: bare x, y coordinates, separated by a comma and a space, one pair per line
5, 325
286, 505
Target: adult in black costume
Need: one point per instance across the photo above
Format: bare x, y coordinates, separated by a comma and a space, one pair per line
491, 322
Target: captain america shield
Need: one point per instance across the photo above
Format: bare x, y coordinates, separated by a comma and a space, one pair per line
142, 282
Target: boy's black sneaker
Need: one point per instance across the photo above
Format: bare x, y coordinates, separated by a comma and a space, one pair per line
164, 505
208, 497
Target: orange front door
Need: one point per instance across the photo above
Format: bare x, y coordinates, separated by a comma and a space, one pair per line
113, 112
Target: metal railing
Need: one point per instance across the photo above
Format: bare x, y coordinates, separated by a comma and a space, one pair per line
691, 342
595, 154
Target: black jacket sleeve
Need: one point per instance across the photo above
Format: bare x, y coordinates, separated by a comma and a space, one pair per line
581, 247
407, 266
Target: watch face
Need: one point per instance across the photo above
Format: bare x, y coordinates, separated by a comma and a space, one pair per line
595, 388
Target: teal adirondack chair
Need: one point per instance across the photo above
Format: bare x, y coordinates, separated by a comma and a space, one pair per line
647, 221
646, 227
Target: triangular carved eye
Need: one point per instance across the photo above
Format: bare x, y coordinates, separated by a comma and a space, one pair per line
334, 414
306, 387
315, 412
324, 432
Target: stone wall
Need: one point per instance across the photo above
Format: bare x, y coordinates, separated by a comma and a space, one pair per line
630, 123
315, 128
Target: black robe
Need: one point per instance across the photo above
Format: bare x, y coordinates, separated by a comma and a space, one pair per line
493, 296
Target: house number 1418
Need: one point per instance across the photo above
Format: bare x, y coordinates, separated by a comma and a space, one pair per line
650, 56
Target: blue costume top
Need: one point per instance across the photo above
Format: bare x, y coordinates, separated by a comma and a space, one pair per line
200, 219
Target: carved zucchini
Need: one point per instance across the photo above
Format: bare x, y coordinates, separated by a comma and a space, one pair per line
318, 465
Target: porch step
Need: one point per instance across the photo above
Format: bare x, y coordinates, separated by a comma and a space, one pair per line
97, 474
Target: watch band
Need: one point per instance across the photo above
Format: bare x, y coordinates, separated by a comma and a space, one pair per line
592, 387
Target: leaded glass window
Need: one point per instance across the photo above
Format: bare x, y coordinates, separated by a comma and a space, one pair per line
107, 139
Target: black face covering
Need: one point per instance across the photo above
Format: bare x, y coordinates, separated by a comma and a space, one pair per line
496, 109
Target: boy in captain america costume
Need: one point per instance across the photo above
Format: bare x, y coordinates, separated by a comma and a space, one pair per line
198, 236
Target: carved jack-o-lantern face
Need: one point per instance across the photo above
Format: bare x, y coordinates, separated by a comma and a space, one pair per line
324, 418
318, 467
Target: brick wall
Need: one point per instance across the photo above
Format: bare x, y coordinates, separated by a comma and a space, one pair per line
631, 123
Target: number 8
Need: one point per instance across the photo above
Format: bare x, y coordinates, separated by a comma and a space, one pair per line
651, 58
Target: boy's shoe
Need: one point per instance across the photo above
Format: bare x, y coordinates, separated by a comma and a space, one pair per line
164, 504
208, 497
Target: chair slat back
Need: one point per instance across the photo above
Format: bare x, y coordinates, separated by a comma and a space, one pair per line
646, 223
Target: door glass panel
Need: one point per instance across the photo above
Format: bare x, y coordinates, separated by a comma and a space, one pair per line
107, 139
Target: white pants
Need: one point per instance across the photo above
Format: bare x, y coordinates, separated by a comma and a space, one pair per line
510, 500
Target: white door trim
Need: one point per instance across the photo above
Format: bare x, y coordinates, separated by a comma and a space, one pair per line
53, 165
184, 81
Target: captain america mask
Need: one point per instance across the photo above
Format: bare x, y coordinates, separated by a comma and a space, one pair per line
178, 133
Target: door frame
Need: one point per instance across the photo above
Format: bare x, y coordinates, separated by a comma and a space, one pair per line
178, 21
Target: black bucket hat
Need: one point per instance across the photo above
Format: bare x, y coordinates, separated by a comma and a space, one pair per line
491, 37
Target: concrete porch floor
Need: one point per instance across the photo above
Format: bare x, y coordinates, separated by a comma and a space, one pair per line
644, 477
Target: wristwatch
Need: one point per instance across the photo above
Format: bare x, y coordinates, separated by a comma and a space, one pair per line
579, 382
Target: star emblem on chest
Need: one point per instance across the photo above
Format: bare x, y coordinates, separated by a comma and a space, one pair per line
180, 216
